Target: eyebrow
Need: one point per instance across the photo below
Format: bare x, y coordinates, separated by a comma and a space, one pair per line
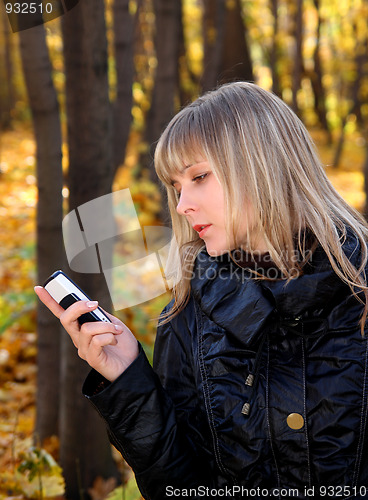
173, 181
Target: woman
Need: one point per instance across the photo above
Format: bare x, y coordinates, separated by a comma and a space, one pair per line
259, 380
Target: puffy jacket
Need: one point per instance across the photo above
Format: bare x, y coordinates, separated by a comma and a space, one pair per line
258, 389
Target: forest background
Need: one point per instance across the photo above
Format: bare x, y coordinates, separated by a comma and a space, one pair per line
83, 98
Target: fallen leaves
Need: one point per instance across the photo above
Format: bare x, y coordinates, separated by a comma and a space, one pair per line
38, 475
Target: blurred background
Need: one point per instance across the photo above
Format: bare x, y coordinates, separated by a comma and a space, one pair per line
83, 99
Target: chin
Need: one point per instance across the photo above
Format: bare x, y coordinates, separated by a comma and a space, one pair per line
216, 252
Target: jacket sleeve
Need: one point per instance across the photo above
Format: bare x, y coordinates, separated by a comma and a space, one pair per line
156, 429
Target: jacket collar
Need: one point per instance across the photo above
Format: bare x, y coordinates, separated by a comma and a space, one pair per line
231, 297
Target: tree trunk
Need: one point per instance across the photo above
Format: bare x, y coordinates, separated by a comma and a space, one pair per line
275, 49
167, 43
236, 62
226, 52
340, 143
85, 451
354, 93
213, 36
298, 57
7, 99
45, 110
317, 80
124, 23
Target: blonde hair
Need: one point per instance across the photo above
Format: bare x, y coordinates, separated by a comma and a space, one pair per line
261, 153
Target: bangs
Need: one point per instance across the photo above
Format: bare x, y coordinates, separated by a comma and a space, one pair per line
183, 142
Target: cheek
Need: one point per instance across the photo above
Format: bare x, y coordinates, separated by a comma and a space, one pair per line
215, 193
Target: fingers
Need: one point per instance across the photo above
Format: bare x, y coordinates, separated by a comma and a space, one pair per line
117, 321
93, 337
49, 302
72, 313
98, 327
69, 315
94, 340
112, 318
91, 346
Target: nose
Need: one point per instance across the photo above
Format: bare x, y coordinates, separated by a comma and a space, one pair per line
186, 203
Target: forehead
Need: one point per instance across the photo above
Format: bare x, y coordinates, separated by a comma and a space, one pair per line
186, 168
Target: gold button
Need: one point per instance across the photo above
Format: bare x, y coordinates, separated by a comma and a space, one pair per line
295, 421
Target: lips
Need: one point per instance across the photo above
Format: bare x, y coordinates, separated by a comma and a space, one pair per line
201, 228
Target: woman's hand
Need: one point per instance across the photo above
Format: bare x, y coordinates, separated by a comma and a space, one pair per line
108, 348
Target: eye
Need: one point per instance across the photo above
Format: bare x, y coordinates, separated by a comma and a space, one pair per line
200, 178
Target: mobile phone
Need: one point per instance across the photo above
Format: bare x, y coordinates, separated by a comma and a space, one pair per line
66, 292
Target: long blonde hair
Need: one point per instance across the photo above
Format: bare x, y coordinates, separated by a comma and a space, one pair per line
261, 153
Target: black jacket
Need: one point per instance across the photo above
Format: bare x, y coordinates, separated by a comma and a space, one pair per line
258, 388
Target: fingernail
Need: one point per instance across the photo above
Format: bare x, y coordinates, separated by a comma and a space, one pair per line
92, 303
118, 328
37, 286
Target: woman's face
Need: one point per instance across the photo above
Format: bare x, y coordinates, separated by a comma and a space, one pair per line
202, 202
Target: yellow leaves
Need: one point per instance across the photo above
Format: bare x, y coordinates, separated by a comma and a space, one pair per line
17, 213
38, 475
33, 472
348, 178
9, 488
17, 305
230, 4
51, 485
140, 97
133, 6
192, 26
349, 185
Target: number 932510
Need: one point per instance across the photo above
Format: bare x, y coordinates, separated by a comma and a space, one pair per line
28, 8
